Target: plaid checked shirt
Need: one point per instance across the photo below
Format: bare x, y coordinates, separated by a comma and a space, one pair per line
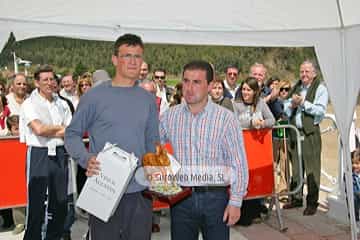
205, 141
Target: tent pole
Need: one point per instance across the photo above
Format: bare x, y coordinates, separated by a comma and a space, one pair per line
346, 148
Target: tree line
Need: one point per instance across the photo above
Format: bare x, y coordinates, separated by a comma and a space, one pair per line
74, 55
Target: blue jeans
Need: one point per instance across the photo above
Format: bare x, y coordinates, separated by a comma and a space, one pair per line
202, 211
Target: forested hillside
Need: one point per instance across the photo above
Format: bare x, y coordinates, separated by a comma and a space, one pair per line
78, 55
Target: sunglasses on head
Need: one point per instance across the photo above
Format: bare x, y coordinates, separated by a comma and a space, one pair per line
159, 77
284, 89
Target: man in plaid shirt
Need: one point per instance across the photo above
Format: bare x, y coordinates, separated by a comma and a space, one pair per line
208, 143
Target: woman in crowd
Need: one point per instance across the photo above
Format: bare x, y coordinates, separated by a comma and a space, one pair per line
281, 154
252, 112
84, 84
272, 83
177, 98
217, 94
284, 88
4, 113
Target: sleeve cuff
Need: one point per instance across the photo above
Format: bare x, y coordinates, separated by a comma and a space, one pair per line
236, 203
306, 105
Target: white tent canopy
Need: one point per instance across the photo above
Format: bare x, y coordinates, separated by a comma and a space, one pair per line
331, 26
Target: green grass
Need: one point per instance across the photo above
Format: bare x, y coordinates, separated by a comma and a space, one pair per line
172, 80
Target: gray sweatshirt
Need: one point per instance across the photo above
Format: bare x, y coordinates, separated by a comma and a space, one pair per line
126, 116
244, 113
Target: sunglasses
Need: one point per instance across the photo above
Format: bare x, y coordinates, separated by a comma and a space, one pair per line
159, 77
232, 74
284, 89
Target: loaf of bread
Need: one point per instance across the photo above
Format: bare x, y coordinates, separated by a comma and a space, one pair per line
160, 158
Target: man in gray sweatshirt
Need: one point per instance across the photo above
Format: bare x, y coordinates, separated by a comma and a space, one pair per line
121, 113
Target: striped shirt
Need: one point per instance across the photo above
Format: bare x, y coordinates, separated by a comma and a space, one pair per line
209, 144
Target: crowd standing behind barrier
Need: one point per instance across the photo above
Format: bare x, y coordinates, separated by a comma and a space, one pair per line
269, 94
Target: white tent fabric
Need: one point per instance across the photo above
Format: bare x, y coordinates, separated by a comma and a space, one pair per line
331, 26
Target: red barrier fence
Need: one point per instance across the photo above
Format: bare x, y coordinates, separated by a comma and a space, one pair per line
13, 173
258, 145
259, 153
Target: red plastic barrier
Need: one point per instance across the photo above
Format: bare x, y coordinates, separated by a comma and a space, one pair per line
13, 173
258, 146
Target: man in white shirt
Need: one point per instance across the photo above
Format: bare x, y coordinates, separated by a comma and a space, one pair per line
69, 89
43, 119
18, 94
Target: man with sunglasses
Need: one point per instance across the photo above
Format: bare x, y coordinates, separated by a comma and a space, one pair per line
230, 81
162, 91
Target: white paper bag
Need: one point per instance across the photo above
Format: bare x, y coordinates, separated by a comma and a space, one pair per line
102, 193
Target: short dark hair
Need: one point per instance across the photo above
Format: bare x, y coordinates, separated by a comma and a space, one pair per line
271, 80
42, 69
159, 70
12, 120
200, 65
231, 66
128, 39
217, 79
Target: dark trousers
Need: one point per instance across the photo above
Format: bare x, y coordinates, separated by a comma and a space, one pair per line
131, 220
356, 206
202, 211
311, 160
70, 216
80, 178
7, 217
46, 174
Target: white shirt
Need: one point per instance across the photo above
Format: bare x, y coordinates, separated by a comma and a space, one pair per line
162, 94
13, 105
72, 97
232, 91
4, 132
37, 107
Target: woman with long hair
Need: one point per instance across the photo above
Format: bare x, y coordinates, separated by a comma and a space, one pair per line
251, 110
